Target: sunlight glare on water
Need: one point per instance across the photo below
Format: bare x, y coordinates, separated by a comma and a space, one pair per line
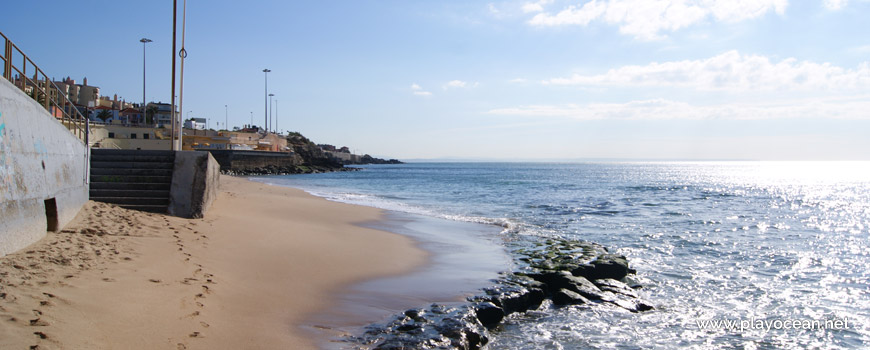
712, 241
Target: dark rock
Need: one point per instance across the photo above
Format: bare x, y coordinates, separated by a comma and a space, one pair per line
605, 266
512, 298
643, 305
442, 328
618, 287
569, 272
489, 314
565, 280
567, 297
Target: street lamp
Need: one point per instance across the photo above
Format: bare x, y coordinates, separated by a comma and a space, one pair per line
226, 117
266, 102
143, 41
270, 111
276, 117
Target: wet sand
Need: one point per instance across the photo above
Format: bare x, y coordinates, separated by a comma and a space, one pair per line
464, 257
263, 261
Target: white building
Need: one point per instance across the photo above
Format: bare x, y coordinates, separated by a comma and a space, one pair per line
195, 123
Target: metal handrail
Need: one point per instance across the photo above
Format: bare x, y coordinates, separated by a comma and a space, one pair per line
42, 88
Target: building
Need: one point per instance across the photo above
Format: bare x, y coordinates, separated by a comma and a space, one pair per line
160, 113
195, 123
79, 94
133, 115
129, 137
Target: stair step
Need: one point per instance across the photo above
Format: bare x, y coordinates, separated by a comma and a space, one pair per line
127, 171
159, 194
131, 179
133, 158
131, 165
130, 186
132, 200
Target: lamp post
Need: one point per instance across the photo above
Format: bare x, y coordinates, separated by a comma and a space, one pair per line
266, 102
276, 117
226, 117
270, 111
143, 41
252, 119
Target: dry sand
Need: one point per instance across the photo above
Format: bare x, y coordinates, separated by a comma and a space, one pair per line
248, 276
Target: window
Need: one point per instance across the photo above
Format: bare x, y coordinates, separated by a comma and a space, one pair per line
111, 135
132, 136
146, 136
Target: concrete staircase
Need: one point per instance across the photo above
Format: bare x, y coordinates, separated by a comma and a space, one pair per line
132, 179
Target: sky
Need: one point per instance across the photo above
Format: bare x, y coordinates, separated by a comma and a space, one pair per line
491, 80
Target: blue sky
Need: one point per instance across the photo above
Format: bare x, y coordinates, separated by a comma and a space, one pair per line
547, 79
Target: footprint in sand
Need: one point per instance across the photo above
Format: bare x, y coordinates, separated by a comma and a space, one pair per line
204, 325
38, 323
41, 336
181, 346
194, 335
154, 280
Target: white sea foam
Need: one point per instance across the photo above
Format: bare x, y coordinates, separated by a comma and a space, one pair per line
507, 225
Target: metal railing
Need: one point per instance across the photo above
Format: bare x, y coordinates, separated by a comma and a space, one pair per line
42, 89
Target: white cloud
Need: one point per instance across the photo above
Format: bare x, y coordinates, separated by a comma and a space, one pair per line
660, 109
647, 19
517, 80
537, 6
731, 71
417, 90
835, 4
455, 84
458, 84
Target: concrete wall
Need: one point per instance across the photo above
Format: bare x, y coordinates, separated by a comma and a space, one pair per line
121, 140
195, 181
251, 160
40, 160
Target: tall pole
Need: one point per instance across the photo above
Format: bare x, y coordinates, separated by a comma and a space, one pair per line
270, 113
143, 41
175, 123
266, 102
252, 119
276, 117
183, 54
226, 117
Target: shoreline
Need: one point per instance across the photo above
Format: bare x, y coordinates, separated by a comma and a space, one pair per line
463, 259
247, 275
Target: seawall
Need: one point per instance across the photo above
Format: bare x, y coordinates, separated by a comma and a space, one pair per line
43, 171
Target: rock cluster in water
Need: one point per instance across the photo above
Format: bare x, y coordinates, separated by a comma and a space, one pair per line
567, 272
286, 170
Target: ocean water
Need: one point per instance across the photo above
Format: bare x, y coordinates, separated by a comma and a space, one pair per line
746, 255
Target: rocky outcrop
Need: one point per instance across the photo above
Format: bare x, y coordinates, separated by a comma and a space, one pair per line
367, 159
435, 327
567, 272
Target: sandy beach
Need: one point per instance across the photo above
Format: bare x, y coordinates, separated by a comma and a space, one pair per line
248, 275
